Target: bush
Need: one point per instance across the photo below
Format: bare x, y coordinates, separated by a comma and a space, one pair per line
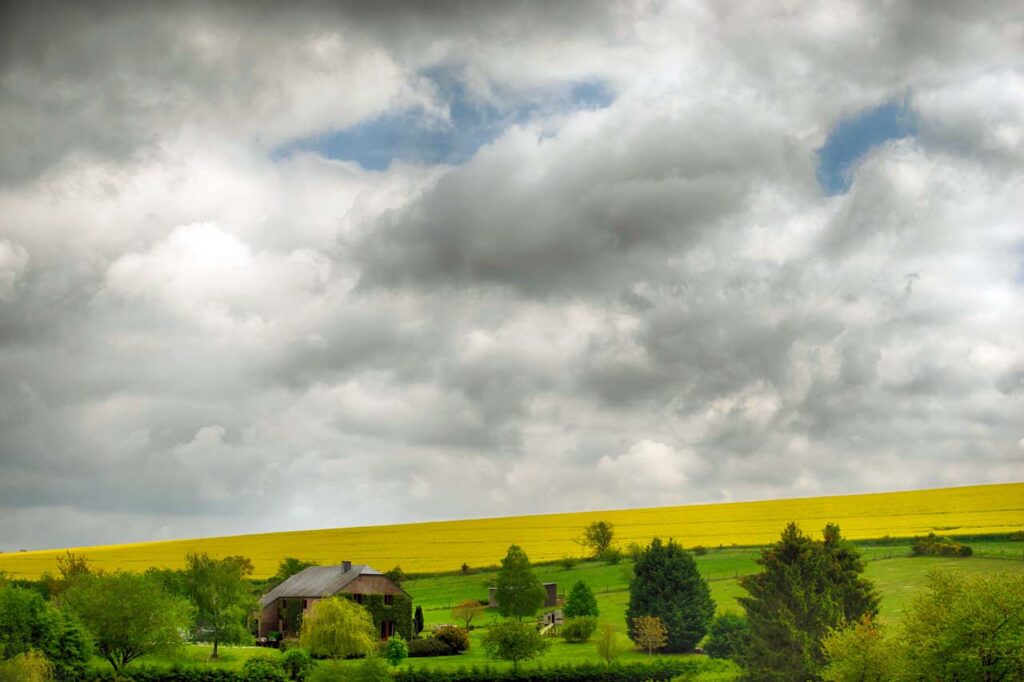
428, 647
30, 666
455, 638
611, 555
727, 635
568, 563
934, 545
297, 663
373, 669
699, 550
395, 650
579, 629
263, 670
662, 671
330, 671
514, 641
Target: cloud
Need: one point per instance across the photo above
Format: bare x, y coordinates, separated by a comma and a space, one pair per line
652, 301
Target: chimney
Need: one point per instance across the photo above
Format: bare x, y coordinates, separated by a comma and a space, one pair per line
346, 565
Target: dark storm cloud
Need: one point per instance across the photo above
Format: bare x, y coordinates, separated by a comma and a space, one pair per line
651, 302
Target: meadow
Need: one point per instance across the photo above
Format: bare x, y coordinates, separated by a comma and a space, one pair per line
897, 575
445, 545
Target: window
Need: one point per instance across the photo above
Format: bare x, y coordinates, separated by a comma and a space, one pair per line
305, 604
387, 629
389, 599
358, 598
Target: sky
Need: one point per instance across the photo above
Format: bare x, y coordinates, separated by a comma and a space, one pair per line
309, 265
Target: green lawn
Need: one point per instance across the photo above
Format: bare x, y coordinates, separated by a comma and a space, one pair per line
898, 577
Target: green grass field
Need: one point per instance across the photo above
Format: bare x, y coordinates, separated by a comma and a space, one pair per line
898, 577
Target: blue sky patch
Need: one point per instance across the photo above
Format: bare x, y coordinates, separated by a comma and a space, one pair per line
854, 136
412, 136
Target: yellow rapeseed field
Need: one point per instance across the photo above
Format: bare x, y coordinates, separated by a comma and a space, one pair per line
445, 545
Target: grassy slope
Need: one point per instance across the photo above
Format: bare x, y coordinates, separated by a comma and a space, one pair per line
444, 546
898, 579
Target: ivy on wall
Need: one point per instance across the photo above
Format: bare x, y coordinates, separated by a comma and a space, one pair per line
399, 612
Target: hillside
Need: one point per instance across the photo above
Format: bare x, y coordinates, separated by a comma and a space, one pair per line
446, 545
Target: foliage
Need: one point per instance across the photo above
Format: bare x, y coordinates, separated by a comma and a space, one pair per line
297, 663
263, 670
519, 592
934, 545
609, 644
578, 629
568, 563
805, 589
288, 567
69, 646
330, 671
29, 666
612, 555
598, 537
514, 641
337, 627
967, 628
23, 621
396, 575
455, 638
650, 633
581, 601
666, 584
467, 611
373, 669
428, 646
661, 671
399, 612
699, 550
143, 618
727, 635
862, 652
219, 591
417, 621
395, 650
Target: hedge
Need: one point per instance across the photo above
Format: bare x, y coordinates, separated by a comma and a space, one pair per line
660, 671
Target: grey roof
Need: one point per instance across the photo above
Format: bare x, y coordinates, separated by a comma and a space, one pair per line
317, 581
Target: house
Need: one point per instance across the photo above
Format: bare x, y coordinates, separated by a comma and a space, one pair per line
281, 609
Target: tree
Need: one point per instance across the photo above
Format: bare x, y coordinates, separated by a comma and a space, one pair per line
597, 537
297, 663
467, 611
805, 589
608, 644
220, 593
396, 650
862, 652
396, 574
288, 567
666, 584
417, 621
29, 624
967, 628
519, 591
727, 635
581, 601
129, 615
514, 641
337, 627
650, 633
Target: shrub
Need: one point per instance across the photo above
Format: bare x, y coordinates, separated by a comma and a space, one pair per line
934, 545
263, 670
30, 666
568, 563
727, 635
297, 663
514, 641
395, 650
579, 629
68, 645
428, 647
699, 550
455, 638
608, 644
330, 671
611, 555
373, 669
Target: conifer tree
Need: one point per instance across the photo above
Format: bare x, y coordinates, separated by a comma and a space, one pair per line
581, 601
806, 588
666, 584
